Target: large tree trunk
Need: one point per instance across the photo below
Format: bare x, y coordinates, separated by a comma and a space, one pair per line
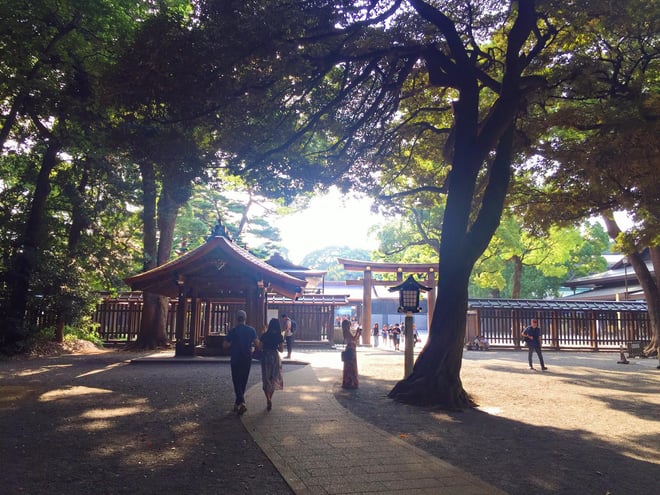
652, 293
174, 194
79, 222
149, 227
153, 325
153, 322
653, 302
435, 379
14, 334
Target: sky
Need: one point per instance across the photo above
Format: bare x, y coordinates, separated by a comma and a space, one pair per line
330, 220
336, 220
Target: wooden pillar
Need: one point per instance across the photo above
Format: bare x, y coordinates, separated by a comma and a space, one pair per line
431, 295
194, 319
516, 328
554, 330
255, 306
261, 306
207, 318
181, 349
409, 358
593, 330
366, 306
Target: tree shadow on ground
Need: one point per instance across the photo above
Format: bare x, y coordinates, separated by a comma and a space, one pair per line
81, 425
515, 456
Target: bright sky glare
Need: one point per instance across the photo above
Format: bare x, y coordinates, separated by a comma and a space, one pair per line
336, 220
330, 220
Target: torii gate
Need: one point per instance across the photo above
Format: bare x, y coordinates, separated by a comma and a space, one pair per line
369, 267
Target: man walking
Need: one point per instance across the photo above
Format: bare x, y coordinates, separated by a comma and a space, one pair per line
240, 340
532, 337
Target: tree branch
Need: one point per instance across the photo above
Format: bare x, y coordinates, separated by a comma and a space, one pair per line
412, 192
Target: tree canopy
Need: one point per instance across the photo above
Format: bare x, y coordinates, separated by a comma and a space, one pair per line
60, 188
425, 104
594, 142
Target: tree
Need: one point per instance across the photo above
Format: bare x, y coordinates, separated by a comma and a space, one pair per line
519, 263
162, 123
413, 236
396, 55
246, 215
200, 88
596, 142
326, 259
440, 85
52, 56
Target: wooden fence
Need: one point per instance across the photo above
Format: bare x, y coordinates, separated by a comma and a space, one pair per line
587, 326
118, 319
577, 328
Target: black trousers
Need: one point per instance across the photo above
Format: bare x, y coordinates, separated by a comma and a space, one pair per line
289, 345
531, 348
240, 372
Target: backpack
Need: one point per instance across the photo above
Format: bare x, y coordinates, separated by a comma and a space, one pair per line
293, 325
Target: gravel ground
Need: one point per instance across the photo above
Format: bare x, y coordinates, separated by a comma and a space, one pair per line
91, 423
586, 426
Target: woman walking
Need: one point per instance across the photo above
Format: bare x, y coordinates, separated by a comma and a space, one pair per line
350, 374
272, 344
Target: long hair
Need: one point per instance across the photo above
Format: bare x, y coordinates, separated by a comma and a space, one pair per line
346, 330
274, 326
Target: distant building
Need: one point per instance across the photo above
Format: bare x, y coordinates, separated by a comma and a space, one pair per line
618, 283
314, 309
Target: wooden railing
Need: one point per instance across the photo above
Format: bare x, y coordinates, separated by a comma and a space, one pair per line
565, 329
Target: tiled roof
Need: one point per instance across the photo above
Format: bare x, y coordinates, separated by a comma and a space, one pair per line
217, 250
311, 299
559, 304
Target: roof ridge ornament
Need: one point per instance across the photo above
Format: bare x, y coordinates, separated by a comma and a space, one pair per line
219, 230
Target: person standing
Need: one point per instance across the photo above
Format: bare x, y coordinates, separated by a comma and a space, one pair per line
350, 373
396, 336
375, 333
289, 332
532, 338
272, 343
241, 340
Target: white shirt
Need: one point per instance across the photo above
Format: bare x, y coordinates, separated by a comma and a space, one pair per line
287, 328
